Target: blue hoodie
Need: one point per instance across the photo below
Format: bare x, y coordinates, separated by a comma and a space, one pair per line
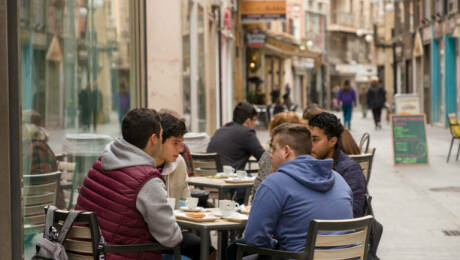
301, 190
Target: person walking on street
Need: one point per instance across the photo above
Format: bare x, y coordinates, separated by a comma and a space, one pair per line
376, 98
363, 100
347, 97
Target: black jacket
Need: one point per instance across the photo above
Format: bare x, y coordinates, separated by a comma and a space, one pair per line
353, 175
376, 97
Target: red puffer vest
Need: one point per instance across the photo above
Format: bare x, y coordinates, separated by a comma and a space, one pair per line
112, 196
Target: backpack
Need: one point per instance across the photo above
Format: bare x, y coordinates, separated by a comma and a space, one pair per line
50, 246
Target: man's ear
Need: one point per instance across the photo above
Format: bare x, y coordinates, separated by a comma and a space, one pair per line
246, 122
333, 141
287, 151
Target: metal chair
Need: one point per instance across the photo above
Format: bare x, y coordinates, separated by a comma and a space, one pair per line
454, 127
206, 164
364, 143
365, 161
84, 239
346, 238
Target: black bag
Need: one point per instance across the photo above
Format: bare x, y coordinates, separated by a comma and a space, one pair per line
50, 246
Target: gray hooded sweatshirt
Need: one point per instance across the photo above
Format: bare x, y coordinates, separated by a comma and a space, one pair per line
151, 200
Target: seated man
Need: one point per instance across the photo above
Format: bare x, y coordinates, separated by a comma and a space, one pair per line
128, 193
237, 140
301, 189
326, 130
170, 163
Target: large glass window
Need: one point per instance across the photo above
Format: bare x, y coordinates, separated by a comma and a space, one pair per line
78, 81
201, 71
186, 10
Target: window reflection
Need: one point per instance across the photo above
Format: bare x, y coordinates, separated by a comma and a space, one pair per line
77, 84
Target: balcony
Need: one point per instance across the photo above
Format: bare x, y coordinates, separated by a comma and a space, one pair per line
348, 22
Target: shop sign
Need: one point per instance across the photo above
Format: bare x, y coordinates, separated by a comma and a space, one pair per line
418, 46
305, 63
256, 39
426, 33
257, 10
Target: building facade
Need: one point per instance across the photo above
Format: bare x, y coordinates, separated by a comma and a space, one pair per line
427, 50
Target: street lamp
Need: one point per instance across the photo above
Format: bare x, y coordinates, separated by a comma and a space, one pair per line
309, 44
359, 32
389, 7
368, 38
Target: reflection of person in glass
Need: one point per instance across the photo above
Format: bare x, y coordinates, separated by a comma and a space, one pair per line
84, 105
96, 108
123, 99
39, 158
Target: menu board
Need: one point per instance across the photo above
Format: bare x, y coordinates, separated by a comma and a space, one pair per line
409, 139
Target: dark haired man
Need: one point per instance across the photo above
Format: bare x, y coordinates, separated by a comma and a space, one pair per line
170, 163
237, 140
301, 189
325, 132
127, 192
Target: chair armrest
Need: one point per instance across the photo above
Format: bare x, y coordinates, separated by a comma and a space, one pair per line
243, 248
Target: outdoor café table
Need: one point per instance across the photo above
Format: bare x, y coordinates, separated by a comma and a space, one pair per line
221, 186
221, 226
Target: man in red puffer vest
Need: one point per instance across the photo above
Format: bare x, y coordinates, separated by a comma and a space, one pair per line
127, 192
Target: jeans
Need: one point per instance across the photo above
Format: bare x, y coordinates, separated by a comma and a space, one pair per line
347, 110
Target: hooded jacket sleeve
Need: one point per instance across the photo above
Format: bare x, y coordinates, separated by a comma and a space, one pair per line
263, 219
153, 205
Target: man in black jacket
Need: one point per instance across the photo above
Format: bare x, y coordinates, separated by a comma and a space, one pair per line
237, 141
376, 98
325, 131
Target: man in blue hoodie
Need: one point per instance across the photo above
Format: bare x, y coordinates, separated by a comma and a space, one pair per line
301, 189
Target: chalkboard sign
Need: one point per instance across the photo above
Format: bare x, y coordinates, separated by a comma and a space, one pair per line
409, 139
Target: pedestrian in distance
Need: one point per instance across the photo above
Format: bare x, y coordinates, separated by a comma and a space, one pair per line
363, 100
347, 97
376, 98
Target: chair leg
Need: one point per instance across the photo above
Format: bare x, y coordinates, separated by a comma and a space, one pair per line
450, 149
458, 151
239, 253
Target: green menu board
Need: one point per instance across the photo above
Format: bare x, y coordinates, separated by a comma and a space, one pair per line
409, 139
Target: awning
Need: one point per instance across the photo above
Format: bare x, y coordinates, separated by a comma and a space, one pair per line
284, 47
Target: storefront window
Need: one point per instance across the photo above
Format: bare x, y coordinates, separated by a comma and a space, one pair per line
78, 81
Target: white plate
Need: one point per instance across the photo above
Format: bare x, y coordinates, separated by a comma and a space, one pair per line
206, 218
237, 217
186, 209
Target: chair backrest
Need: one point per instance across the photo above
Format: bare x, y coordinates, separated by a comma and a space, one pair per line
365, 161
83, 238
206, 164
454, 126
39, 190
67, 179
364, 143
348, 238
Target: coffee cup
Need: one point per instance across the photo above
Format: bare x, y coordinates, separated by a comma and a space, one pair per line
191, 203
172, 202
227, 207
241, 174
228, 169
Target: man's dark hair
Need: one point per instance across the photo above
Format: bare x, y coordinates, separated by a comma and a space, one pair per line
139, 124
172, 123
297, 136
328, 122
243, 111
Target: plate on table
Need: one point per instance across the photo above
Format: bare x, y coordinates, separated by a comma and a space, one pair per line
195, 216
244, 209
237, 217
240, 180
186, 209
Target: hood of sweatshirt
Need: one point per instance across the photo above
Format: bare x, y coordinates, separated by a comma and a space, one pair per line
121, 154
310, 172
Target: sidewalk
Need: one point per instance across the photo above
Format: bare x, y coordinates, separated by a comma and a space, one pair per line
414, 203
